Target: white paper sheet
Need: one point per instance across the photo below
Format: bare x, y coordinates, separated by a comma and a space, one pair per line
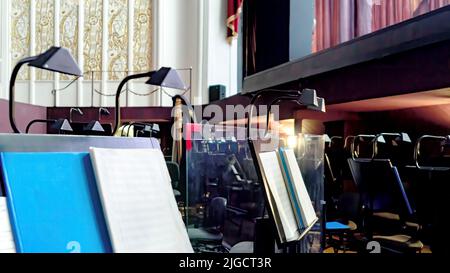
138, 202
274, 176
7, 244
308, 212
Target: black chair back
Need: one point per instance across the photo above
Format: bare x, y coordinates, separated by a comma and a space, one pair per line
174, 171
380, 186
217, 210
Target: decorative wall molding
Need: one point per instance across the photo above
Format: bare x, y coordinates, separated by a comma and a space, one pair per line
5, 54
176, 33
112, 38
20, 34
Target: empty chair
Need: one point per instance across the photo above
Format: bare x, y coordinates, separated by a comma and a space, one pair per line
380, 187
429, 178
386, 206
346, 222
211, 235
174, 171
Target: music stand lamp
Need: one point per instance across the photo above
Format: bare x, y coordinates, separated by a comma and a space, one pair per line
61, 125
93, 127
55, 59
164, 77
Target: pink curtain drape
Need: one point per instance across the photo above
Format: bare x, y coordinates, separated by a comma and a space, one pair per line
389, 12
424, 6
338, 21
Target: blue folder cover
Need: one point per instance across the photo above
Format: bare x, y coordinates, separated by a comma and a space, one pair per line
336, 226
53, 203
291, 189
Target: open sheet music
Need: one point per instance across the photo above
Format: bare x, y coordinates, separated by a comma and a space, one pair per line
297, 189
7, 244
291, 204
138, 202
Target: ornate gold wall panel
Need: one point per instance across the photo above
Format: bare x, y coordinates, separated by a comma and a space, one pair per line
45, 32
69, 27
93, 38
92, 47
118, 39
142, 41
20, 34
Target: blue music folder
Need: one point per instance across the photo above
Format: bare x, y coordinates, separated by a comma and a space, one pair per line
53, 203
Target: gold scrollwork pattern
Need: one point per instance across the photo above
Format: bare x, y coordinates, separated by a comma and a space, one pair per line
142, 40
118, 39
92, 46
69, 27
93, 38
45, 17
20, 34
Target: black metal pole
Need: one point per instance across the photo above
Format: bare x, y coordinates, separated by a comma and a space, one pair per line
12, 84
260, 94
119, 92
38, 121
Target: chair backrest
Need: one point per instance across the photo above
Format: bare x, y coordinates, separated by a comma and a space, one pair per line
168, 158
330, 180
217, 212
348, 206
174, 171
356, 168
380, 186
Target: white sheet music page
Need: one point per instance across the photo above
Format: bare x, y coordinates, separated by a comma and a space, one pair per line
138, 201
275, 179
306, 206
7, 244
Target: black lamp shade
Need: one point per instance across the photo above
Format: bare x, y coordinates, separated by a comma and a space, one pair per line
309, 98
62, 125
321, 105
57, 59
167, 77
94, 126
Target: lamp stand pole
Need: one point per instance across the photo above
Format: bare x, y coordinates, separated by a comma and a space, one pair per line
39, 121
12, 84
119, 92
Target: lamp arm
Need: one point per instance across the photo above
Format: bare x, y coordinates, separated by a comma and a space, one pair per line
12, 84
100, 110
118, 93
258, 95
38, 121
269, 109
73, 109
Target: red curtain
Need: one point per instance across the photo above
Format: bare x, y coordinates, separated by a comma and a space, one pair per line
338, 21
234, 11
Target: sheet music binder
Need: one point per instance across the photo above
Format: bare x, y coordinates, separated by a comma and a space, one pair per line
53, 203
293, 213
300, 199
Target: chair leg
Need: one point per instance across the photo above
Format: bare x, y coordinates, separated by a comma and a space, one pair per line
342, 243
240, 227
